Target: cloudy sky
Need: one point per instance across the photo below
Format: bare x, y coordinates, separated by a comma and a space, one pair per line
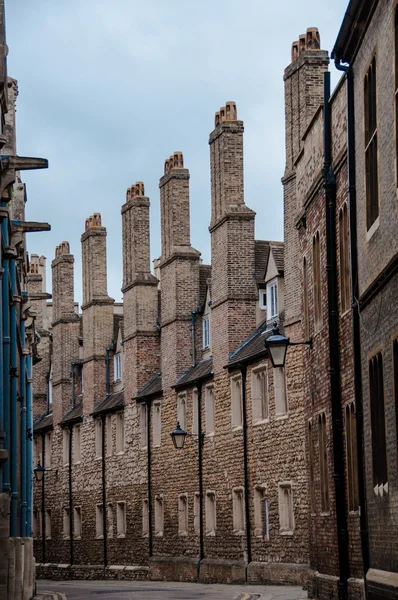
109, 89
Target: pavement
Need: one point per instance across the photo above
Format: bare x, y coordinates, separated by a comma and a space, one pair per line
153, 590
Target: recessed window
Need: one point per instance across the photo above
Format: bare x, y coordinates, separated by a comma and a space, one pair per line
280, 391
272, 298
183, 514
48, 449
236, 401
344, 259
259, 393
98, 437
379, 451
182, 410
121, 519
323, 462
119, 432
159, 515
157, 424
396, 95
206, 331
145, 517
261, 513
144, 425
48, 524
66, 523
76, 444
117, 367
209, 409
65, 446
395, 355
286, 515
37, 450
196, 512
110, 521
311, 465
210, 509
305, 300
262, 299
238, 511
195, 424
316, 264
109, 437
77, 523
351, 448
99, 521
371, 168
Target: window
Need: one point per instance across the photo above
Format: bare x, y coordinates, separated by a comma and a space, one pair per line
99, 521
48, 449
145, 518
286, 515
50, 391
110, 521
395, 356
323, 463
117, 367
196, 513
144, 425
351, 445
259, 394
98, 437
109, 438
372, 192
261, 513
182, 410
316, 263
272, 295
48, 524
195, 424
305, 300
65, 446
210, 509
121, 519
36, 522
238, 512
119, 433
311, 465
280, 391
262, 299
37, 450
236, 400
156, 424
379, 453
344, 259
396, 93
206, 331
66, 524
159, 516
209, 409
77, 523
183, 514
76, 444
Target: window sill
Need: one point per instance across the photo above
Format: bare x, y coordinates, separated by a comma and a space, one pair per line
159, 534
121, 536
183, 533
145, 535
120, 453
76, 463
99, 537
372, 230
239, 532
210, 534
354, 513
261, 422
98, 458
325, 514
237, 428
281, 417
289, 532
144, 447
65, 537
210, 436
77, 537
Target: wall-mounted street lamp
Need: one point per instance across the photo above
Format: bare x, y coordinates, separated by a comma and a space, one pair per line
39, 472
277, 345
179, 436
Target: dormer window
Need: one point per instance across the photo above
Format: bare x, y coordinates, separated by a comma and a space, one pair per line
117, 367
272, 294
206, 331
262, 298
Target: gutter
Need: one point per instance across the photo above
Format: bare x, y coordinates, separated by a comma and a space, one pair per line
334, 348
356, 334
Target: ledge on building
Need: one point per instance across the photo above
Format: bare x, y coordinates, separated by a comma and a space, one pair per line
173, 568
273, 573
60, 572
217, 570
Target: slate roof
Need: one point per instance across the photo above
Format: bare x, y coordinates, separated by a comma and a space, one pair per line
278, 252
261, 255
74, 414
152, 387
43, 423
253, 347
111, 402
202, 370
204, 276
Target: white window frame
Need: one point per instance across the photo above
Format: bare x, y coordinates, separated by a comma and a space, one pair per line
262, 299
272, 298
117, 366
206, 331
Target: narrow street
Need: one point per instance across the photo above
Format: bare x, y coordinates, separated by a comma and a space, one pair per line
153, 590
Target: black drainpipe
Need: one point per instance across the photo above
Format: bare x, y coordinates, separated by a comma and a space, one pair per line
70, 427
333, 323
104, 510
149, 460
243, 370
200, 475
356, 337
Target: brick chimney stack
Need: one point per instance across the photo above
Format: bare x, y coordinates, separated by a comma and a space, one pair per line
140, 294
179, 270
65, 329
232, 239
303, 80
97, 310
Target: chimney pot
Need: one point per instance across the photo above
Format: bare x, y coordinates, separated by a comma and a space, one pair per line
302, 43
313, 40
217, 119
231, 112
295, 50
222, 114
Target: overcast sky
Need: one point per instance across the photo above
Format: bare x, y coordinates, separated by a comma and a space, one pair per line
109, 89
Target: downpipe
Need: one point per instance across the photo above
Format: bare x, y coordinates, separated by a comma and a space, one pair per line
243, 371
29, 436
13, 412
23, 436
6, 358
105, 531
